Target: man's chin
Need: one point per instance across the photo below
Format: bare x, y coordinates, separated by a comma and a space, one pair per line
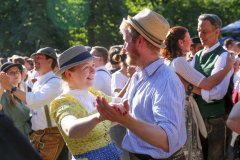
131, 61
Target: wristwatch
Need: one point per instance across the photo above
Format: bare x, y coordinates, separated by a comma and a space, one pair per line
189, 88
13, 89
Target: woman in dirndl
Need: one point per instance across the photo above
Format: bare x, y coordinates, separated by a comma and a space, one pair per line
84, 131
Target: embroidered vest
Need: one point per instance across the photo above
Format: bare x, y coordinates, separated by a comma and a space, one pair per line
205, 65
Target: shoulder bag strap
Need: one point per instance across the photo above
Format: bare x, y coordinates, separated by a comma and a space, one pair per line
49, 123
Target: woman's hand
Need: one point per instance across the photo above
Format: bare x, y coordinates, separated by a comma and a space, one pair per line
5, 81
121, 108
112, 112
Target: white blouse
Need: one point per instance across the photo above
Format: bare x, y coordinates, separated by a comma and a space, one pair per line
183, 68
85, 98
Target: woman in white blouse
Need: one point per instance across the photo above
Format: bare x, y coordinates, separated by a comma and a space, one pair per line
178, 43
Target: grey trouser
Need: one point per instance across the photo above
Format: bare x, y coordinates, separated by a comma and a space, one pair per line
213, 146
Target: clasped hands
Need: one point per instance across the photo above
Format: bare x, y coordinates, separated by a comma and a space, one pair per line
115, 112
5, 81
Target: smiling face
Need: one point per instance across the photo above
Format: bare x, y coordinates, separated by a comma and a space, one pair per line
81, 76
14, 75
42, 64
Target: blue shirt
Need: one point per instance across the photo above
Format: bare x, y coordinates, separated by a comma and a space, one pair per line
157, 96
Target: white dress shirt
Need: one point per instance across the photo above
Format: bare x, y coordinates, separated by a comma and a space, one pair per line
102, 80
219, 91
45, 89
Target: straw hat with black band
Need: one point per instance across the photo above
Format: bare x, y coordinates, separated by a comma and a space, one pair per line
72, 57
151, 25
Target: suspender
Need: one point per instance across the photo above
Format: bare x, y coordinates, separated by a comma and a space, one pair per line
104, 71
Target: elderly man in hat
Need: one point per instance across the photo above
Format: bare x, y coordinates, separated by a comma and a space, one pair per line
45, 89
156, 96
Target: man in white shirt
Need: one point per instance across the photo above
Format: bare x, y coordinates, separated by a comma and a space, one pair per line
211, 103
47, 87
102, 80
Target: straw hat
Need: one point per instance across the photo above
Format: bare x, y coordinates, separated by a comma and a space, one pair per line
72, 57
151, 25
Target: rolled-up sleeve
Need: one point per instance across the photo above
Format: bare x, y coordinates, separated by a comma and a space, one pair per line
168, 111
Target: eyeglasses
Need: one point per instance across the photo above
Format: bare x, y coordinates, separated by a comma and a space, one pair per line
12, 73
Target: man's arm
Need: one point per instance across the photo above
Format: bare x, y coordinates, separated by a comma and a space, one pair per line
45, 94
219, 91
39, 98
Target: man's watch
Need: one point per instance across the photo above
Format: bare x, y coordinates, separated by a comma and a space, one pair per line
13, 89
189, 88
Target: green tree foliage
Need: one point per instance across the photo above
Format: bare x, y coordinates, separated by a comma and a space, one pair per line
25, 25
103, 23
186, 12
63, 23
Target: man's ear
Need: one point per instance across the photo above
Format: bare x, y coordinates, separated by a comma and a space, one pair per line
50, 61
218, 30
140, 39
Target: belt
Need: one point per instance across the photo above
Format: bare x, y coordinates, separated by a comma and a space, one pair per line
179, 155
215, 119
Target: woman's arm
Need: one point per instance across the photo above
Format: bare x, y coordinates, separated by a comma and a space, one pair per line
195, 89
77, 128
211, 81
233, 121
194, 77
123, 91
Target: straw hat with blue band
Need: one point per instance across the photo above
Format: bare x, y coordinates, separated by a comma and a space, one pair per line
72, 57
151, 25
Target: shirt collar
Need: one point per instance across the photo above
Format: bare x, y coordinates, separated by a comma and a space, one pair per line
81, 92
151, 68
45, 76
211, 48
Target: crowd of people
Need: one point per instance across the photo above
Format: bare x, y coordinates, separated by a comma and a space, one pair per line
161, 95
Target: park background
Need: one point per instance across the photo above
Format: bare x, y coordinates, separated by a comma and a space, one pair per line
26, 25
